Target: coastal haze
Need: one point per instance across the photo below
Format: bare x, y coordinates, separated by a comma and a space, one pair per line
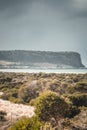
45, 25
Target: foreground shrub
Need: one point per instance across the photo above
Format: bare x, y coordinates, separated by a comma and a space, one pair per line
49, 105
27, 124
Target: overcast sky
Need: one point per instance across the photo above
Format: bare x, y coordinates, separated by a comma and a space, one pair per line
52, 25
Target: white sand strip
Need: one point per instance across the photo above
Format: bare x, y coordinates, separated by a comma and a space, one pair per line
15, 111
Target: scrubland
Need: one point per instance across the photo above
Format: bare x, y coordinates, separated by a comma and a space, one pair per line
54, 101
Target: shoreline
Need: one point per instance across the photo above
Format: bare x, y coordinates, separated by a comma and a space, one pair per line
59, 71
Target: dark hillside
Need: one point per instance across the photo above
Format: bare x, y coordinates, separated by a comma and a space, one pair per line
72, 59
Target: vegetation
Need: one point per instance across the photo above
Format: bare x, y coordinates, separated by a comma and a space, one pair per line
79, 87
49, 105
71, 111
60, 100
2, 115
79, 99
27, 124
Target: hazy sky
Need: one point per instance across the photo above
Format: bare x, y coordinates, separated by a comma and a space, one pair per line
54, 25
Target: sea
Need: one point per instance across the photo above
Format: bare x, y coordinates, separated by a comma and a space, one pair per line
77, 71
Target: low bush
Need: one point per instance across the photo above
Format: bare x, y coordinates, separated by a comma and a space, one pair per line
27, 124
79, 87
27, 93
78, 99
49, 105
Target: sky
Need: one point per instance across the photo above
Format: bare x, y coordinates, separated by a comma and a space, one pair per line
45, 25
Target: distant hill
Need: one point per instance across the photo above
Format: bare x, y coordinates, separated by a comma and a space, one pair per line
39, 59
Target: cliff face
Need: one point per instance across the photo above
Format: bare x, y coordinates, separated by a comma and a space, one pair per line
41, 58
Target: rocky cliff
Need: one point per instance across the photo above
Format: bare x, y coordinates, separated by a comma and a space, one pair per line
36, 59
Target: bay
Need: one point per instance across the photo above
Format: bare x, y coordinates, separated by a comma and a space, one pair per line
77, 71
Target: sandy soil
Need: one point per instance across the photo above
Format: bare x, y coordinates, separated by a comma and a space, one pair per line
15, 111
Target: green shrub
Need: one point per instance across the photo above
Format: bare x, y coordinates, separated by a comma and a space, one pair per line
48, 126
78, 99
15, 100
27, 124
79, 87
49, 105
26, 94
70, 89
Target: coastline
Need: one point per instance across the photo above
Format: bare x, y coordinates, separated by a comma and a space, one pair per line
63, 70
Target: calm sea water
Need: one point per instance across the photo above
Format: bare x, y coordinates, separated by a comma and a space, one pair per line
77, 71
